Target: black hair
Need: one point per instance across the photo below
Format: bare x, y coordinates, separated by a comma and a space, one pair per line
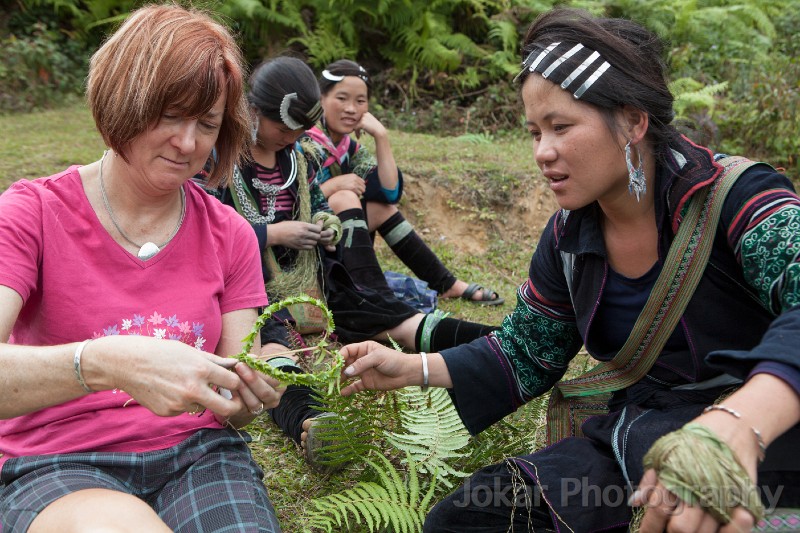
637, 75
272, 80
339, 69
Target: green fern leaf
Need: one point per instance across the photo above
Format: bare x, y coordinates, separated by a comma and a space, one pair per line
432, 433
388, 504
504, 33
349, 437
693, 96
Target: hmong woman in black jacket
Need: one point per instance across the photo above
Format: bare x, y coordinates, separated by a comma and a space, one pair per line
719, 380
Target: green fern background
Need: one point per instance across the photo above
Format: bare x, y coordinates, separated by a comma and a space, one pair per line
445, 65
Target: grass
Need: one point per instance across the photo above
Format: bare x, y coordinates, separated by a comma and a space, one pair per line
478, 175
41, 144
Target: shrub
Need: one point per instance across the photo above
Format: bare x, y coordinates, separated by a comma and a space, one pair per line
40, 69
763, 123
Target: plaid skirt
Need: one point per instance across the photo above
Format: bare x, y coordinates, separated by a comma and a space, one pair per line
209, 482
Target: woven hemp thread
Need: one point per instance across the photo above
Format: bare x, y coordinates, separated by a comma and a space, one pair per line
698, 467
299, 277
329, 221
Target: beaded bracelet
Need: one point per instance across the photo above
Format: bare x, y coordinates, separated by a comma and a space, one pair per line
762, 447
424, 356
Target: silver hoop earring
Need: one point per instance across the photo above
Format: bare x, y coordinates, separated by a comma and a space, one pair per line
636, 182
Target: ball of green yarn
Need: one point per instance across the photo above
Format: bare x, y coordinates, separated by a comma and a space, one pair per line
329, 221
698, 467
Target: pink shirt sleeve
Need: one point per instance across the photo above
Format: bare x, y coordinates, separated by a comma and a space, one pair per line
20, 250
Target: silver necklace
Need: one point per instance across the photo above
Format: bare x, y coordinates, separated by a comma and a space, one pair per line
249, 208
149, 249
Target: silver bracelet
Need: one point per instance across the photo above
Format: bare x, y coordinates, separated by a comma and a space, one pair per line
762, 447
424, 387
76, 364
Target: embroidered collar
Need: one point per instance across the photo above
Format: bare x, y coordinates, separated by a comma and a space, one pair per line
337, 153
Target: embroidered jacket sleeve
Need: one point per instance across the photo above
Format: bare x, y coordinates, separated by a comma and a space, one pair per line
761, 218
363, 163
318, 201
357, 160
494, 375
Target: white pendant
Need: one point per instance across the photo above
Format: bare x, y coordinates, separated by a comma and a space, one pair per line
147, 251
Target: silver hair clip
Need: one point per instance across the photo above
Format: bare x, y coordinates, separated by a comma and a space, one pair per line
531, 66
542, 55
557, 63
331, 77
591, 79
291, 123
535, 62
315, 113
578, 71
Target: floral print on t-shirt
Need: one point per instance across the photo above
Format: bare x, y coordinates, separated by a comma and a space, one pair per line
158, 326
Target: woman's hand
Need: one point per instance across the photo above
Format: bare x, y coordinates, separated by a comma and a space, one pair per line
344, 182
379, 367
326, 237
166, 376
294, 234
665, 512
371, 125
256, 393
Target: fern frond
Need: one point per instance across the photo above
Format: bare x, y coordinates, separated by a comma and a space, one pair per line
432, 432
389, 503
691, 95
504, 33
469, 78
505, 63
263, 18
476, 138
463, 44
434, 55
323, 47
353, 434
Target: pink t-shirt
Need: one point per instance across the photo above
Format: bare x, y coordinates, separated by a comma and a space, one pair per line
77, 283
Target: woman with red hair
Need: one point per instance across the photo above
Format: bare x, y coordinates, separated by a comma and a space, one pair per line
124, 288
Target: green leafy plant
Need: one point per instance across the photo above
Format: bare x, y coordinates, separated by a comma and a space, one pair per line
38, 69
390, 502
695, 105
423, 429
432, 432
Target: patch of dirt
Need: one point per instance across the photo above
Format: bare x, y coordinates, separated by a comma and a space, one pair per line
426, 206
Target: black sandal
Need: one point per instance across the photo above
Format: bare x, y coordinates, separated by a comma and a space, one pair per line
489, 296
314, 444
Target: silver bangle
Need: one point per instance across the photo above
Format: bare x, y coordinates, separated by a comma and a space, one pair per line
424, 387
76, 364
762, 447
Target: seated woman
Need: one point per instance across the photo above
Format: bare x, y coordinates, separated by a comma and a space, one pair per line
599, 111
345, 165
122, 291
276, 192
